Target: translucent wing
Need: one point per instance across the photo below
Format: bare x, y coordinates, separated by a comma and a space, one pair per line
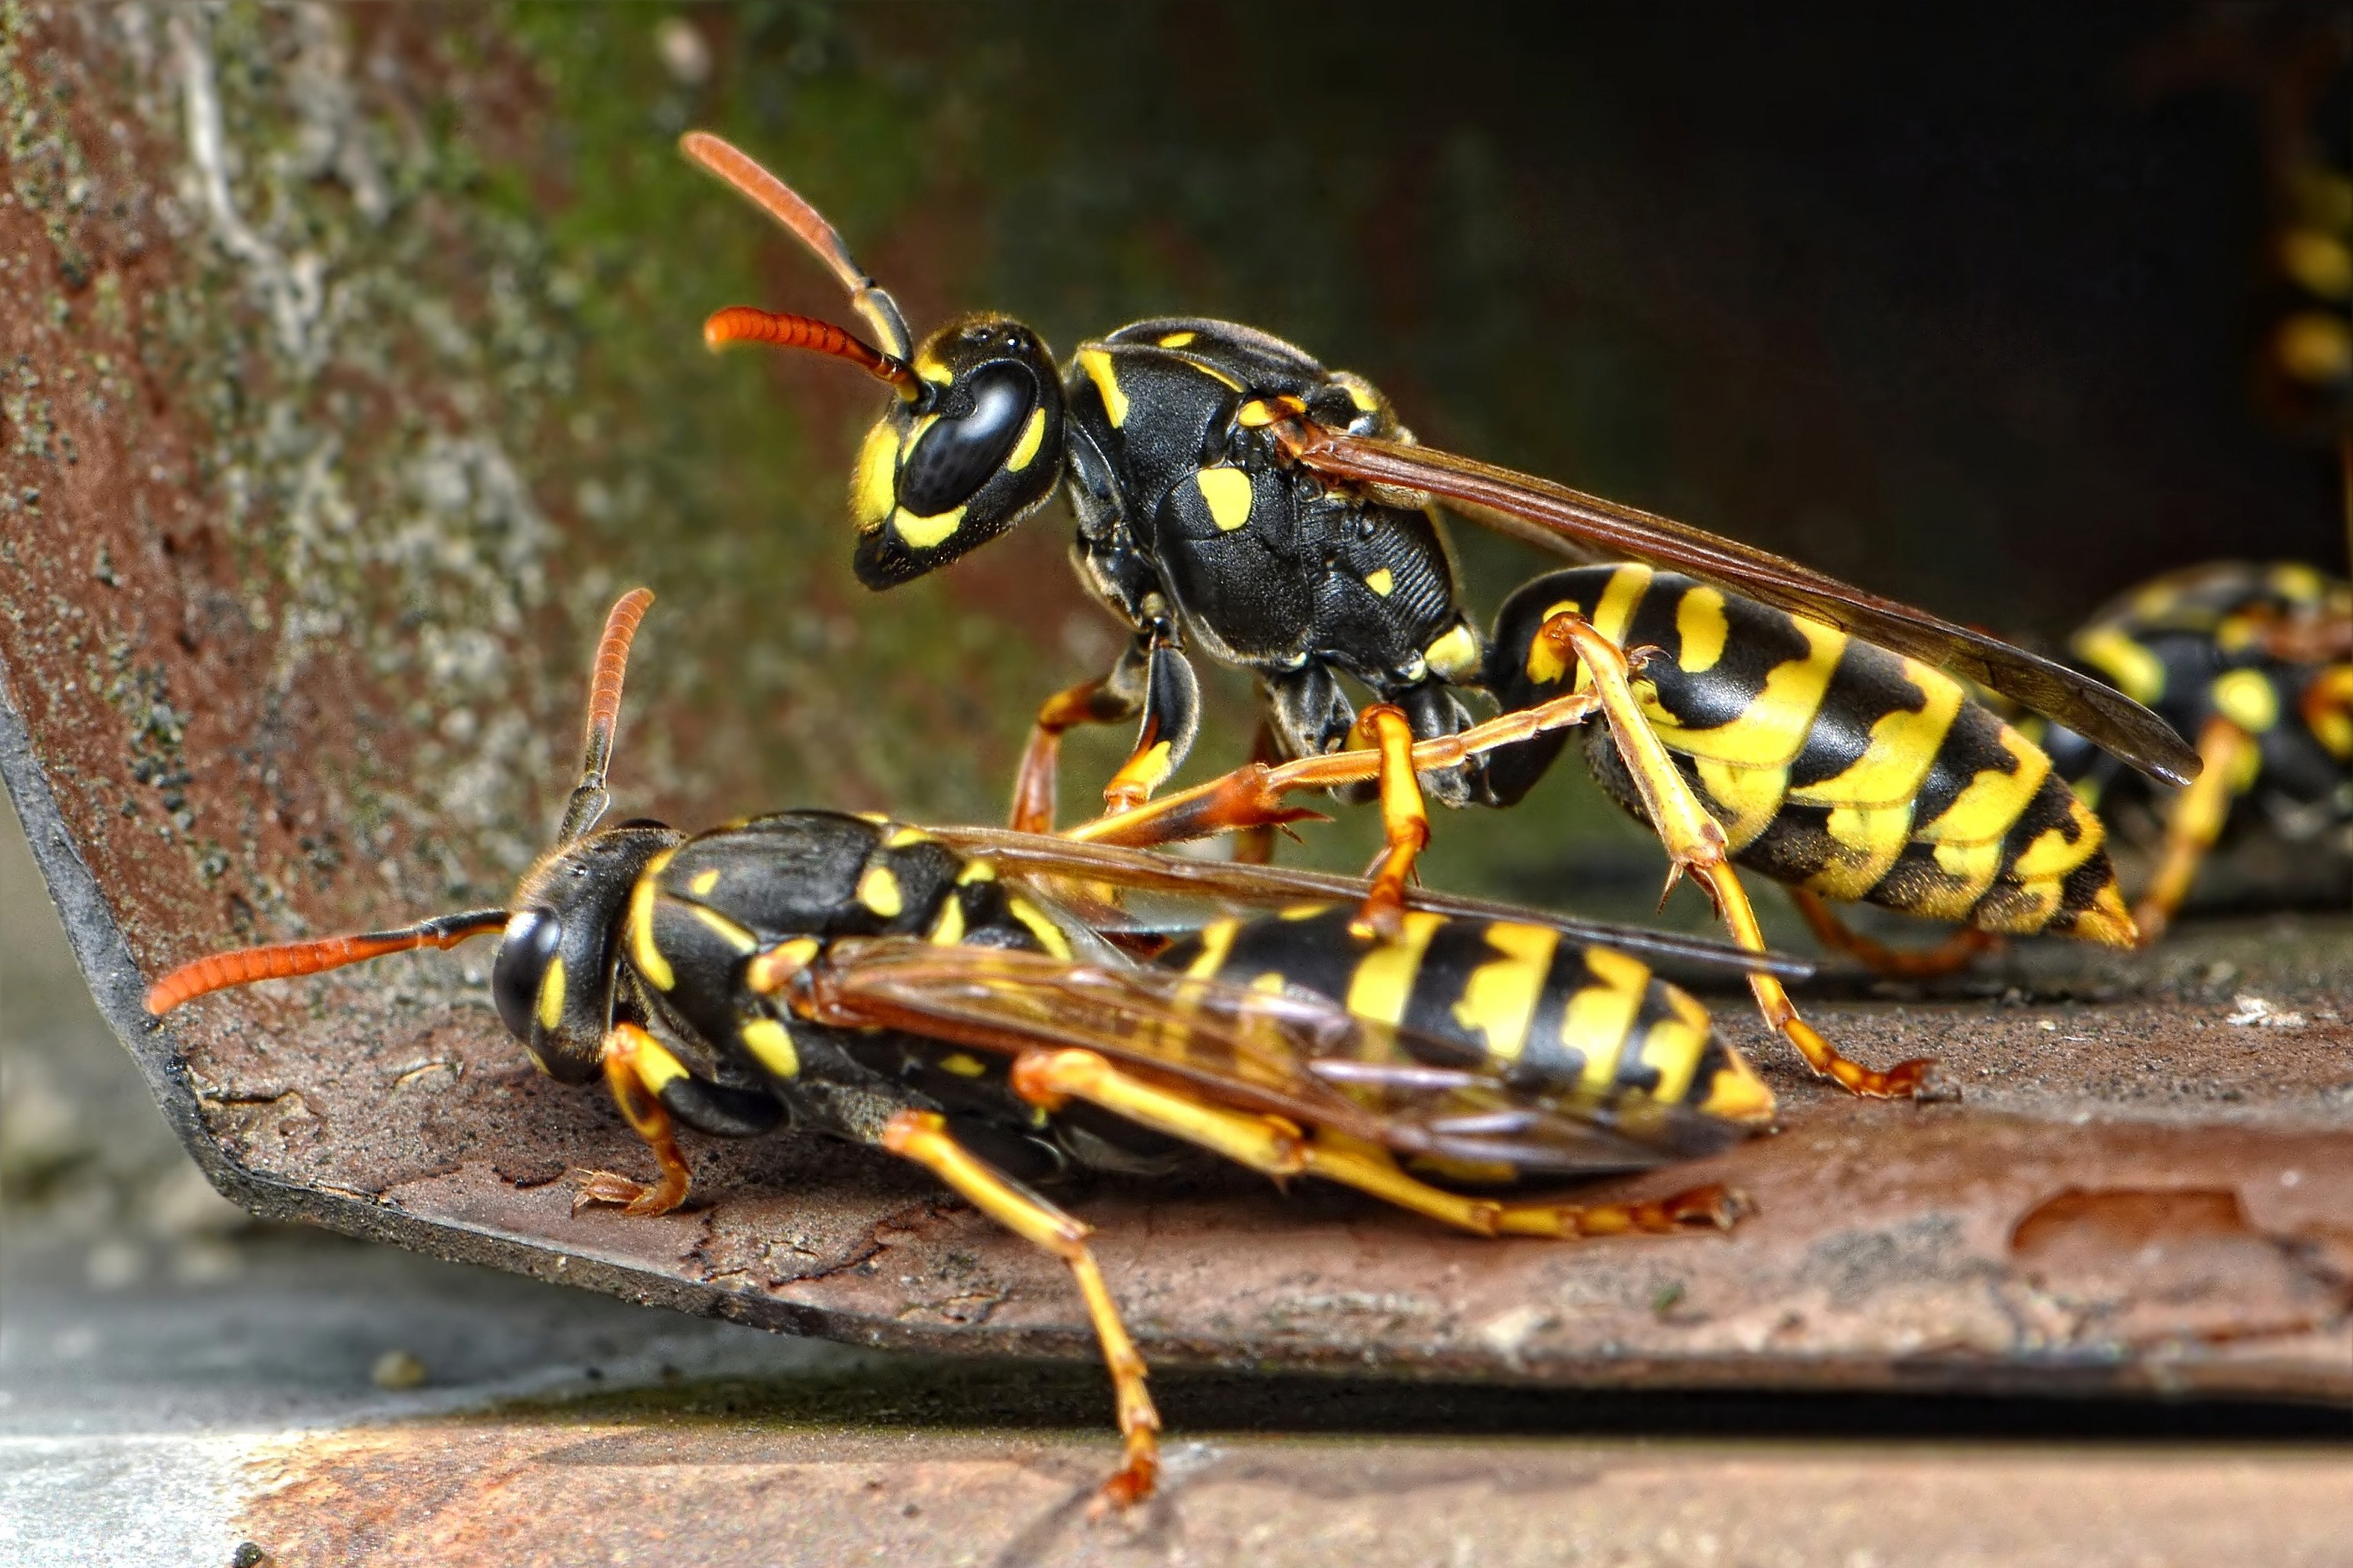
1057, 862
1291, 1053
1586, 528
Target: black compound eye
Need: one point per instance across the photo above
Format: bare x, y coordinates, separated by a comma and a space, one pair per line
957, 457
524, 953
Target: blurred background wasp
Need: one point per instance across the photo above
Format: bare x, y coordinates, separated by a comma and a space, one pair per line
1236, 497
869, 980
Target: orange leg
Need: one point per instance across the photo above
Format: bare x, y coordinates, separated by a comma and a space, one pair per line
923, 1137
1948, 956
1091, 702
2192, 821
1405, 821
1255, 846
636, 1066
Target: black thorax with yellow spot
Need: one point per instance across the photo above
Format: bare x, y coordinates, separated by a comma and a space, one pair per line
1831, 762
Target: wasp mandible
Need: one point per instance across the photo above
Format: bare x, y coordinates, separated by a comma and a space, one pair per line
866, 979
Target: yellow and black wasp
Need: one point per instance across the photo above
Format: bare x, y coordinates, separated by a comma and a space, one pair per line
2256, 661
870, 979
1238, 498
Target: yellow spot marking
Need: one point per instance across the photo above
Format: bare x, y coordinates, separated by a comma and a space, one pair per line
900, 837
2294, 581
2139, 673
1902, 748
1300, 911
642, 951
874, 485
551, 996
1700, 624
1990, 802
2051, 856
976, 871
1672, 1046
1500, 997
2246, 700
1032, 436
728, 931
1227, 492
767, 974
1772, 729
876, 817
1382, 581
877, 889
655, 1066
1546, 663
1260, 411
1177, 340
1597, 1019
925, 532
1360, 392
1270, 983
1050, 935
962, 1064
1383, 983
1455, 654
948, 930
932, 368
771, 1045
1744, 800
1098, 366
704, 881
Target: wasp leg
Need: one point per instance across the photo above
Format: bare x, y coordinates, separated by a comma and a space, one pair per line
1405, 821
2192, 823
1092, 702
1255, 846
1253, 794
636, 1066
1171, 721
921, 1136
1946, 957
1276, 1148
1695, 846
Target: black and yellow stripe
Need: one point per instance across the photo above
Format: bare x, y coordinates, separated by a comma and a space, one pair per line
1831, 762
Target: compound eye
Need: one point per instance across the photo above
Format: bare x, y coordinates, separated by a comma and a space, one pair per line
524, 952
957, 456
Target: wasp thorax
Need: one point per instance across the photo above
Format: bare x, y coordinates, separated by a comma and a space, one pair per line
976, 449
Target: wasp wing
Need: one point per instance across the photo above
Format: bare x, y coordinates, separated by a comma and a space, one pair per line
1289, 1053
1056, 863
1588, 527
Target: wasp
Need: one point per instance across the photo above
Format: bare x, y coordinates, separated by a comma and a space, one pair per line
1235, 496
2256, 661
867, 979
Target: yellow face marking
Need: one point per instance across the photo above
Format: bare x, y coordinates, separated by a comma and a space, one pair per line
900, 837
551, 997
1672, 1046
1455, 654
771, 1045
1772, 729
1050, 935
655, 1066
1383, 582
948, 930
874, 485
727, 931
962, 1064
1216, 940
1383, 983
1546, 663
767, 973
1026, 449
1700, 624
976, 871
1597, 1019
1098, 366
642, 951
1500, 997
1990, 802
877, 889
1177, 340
1228, 493
2246, 700
1902, 748
703, 881
925, 532
2139, 673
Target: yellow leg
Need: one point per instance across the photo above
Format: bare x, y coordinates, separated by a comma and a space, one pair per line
1946, 957
2192, 823
635, 1064
1405, 821
1695, 846
923, 1137
1276, 1148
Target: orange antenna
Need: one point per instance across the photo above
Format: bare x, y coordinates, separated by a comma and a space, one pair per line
745, 324
588, 797
784, 204
285, 960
